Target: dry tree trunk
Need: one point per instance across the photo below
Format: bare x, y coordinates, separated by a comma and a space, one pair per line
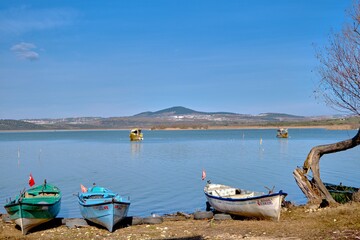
314, 189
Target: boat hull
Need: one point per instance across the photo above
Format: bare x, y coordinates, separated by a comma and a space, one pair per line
102, 206
27, 224
263, 207
341, 193
134, 137
29, 216
105, 214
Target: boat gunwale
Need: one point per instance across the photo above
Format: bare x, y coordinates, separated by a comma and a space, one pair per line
20, 203
280, 193
332, 188
86, 204
103, 203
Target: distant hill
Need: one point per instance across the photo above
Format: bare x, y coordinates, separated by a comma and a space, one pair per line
174, 111
9, 124
182, 111
174, 117
279, 116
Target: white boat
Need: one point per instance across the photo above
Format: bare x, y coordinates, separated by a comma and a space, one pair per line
243, 202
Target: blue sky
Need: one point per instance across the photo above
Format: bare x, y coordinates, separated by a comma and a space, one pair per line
120, 58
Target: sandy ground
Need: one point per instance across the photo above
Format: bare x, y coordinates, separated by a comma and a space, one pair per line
301, 222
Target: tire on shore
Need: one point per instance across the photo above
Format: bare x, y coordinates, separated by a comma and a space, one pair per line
202, 215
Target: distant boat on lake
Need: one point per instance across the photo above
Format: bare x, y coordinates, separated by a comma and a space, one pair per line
136, 134
282, 133
102, 206
244, 203
35, 206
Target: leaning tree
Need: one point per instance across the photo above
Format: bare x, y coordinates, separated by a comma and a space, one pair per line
339, 69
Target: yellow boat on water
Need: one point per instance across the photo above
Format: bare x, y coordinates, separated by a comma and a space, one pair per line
282, 133
136, 134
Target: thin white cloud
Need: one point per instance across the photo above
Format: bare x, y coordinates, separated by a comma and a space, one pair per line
25, 51
26, 19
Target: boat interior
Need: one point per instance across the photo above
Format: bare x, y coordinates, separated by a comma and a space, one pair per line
97, 196
40, 194
229, 192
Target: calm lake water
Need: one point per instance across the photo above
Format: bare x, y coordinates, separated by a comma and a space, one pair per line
162, 174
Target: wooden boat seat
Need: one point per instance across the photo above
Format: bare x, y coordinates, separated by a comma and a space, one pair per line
41, 194
94, 196
223, 191
227, 192
46, 194
28, 195
244, 195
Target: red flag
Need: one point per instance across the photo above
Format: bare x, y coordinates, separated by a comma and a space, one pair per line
203, 176
83, 188
31, 180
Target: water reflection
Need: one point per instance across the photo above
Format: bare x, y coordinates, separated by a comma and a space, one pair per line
135, 148
283, 142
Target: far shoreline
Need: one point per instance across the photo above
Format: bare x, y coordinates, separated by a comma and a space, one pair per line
255, 127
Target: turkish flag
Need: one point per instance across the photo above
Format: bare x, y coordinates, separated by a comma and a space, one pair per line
31, 180
203, 176
83, 188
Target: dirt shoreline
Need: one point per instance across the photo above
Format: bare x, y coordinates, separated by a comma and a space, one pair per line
299, 222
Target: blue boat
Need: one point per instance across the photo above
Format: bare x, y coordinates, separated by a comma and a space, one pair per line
102, 206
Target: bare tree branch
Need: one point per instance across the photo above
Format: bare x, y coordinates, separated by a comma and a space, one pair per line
340, 86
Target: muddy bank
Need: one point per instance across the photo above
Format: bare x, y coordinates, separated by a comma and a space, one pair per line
300, 222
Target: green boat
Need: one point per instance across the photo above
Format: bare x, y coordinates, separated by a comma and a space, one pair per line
35, 206
341, 193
